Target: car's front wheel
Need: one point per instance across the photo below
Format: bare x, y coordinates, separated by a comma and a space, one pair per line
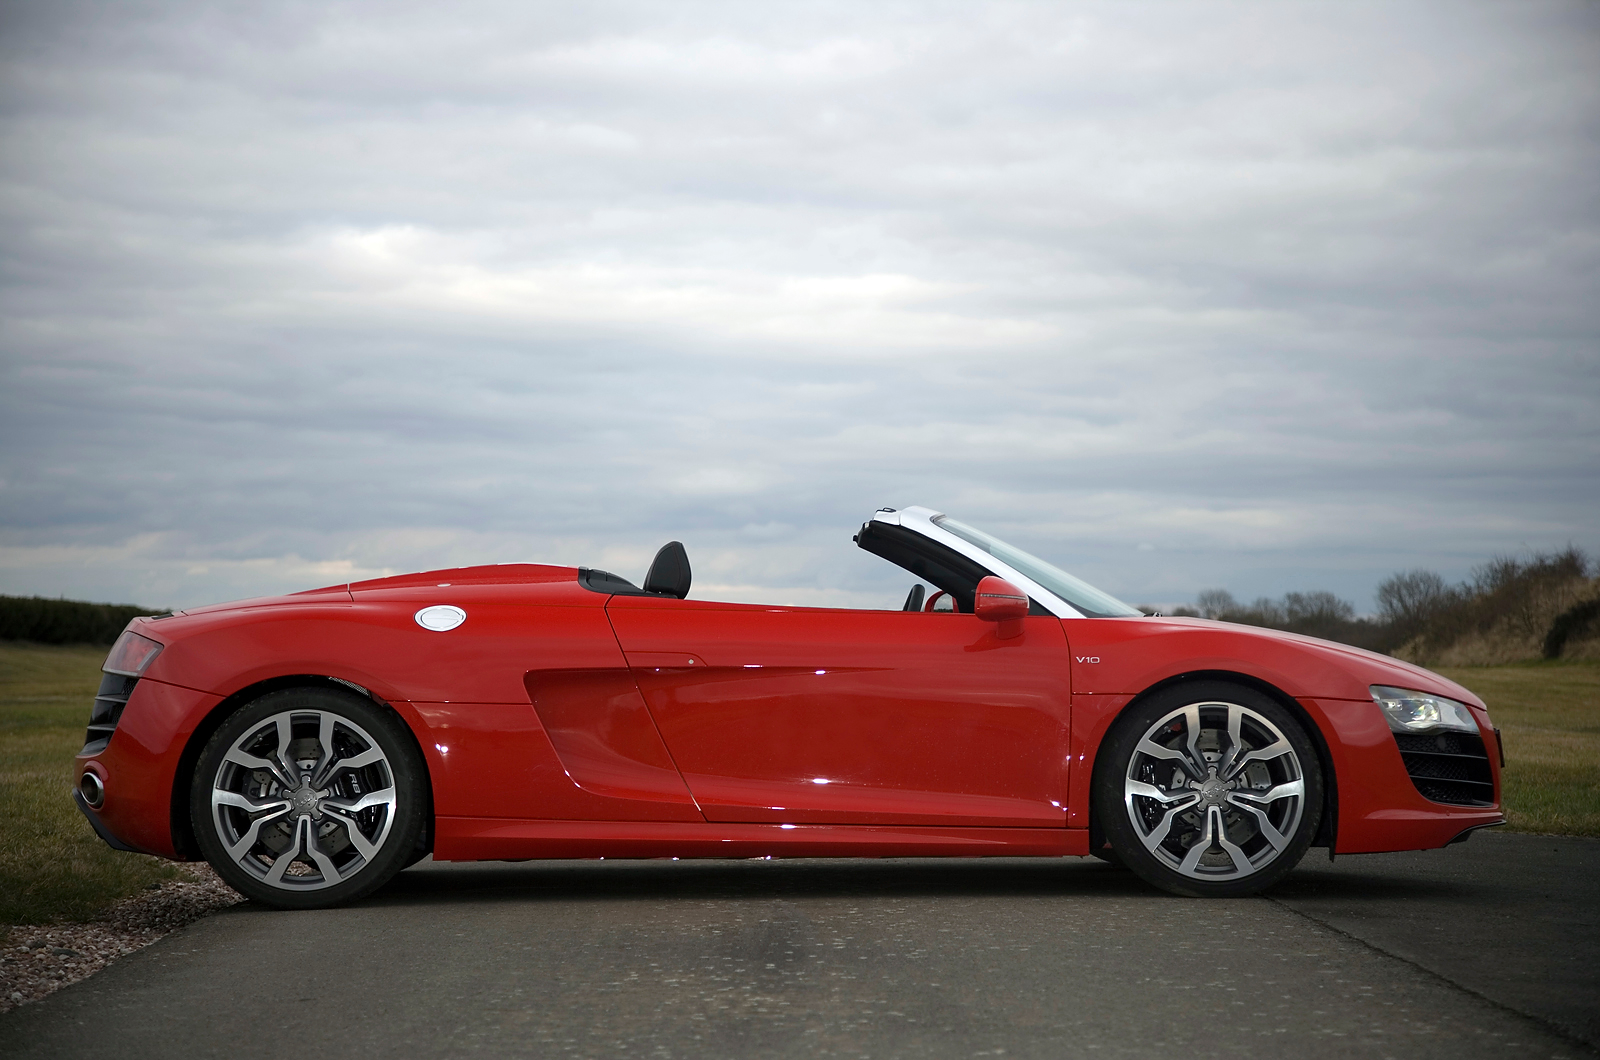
309, 797
1209, 789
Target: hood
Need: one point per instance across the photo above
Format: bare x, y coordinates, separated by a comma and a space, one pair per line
1374, 668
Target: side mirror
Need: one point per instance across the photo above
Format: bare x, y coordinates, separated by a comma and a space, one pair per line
997, 600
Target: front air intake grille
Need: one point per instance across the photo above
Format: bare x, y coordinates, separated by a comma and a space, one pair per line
108, 703
1452, 767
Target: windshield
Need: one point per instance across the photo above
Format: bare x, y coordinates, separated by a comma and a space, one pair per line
1080, 594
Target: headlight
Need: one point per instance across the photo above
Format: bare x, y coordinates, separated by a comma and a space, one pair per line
1418, 712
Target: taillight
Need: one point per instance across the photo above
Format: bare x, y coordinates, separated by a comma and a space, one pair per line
131, 655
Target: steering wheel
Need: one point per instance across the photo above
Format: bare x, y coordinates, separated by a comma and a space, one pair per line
914, 598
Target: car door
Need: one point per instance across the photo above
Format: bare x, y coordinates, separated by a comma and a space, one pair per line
809, 715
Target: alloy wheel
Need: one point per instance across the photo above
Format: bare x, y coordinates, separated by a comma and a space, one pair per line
1215, 791
303, 800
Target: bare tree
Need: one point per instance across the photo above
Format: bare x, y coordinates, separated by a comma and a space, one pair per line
1320, 607
1264, 612
1412, 597
1214, 603
1531, 592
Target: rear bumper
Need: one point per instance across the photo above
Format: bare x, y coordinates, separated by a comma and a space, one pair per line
99, 826
138, 765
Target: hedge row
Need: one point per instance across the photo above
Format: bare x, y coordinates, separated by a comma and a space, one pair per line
1570, 625
45, 621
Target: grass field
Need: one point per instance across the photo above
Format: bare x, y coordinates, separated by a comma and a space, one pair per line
1550, 715
52, 865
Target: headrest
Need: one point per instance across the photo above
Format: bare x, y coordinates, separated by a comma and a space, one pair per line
669, 571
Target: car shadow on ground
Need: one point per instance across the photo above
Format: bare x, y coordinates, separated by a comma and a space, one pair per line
1325, 883
760, 879
860, 878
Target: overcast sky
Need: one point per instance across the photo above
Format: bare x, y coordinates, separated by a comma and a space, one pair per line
1268, 297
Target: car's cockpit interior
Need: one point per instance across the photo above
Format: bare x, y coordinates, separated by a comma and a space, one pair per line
954, 577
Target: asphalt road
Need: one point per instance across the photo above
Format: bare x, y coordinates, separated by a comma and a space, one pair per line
1481, 950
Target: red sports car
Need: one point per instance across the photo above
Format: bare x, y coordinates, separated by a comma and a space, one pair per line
311, 746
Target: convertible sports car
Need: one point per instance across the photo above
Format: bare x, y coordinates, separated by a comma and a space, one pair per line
311, 746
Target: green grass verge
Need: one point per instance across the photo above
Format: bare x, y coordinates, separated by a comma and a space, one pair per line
52, 865
1550, 715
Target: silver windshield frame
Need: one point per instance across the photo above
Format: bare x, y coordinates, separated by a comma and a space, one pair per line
921, 520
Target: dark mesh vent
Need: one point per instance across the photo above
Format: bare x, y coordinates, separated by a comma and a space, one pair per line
1448, 743
1450, 767
1436, 768
108, 703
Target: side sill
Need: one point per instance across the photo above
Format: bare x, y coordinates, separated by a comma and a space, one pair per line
497, 839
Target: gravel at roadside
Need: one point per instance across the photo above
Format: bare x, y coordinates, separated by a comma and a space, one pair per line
37, 959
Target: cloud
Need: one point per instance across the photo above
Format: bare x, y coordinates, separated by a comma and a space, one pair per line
1294, 296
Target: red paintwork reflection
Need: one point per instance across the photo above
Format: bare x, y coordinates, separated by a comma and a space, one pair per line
602, 732
864, 717
495, 760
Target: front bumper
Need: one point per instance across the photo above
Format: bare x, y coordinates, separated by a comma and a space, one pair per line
1379, 805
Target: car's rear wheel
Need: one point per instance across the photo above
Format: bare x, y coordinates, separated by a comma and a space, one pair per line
309, 797
1209, 789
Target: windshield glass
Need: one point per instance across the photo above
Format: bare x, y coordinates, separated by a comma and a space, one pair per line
1080, 594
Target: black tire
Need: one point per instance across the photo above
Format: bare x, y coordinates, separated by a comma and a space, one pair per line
354, 817
1256, 807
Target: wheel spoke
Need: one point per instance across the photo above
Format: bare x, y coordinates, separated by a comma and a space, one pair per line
1149, 747
1150, 791
352, 829
1263, 823
246, 803
250, 761
1241, 860
1235, 740
381, 797
302, 826
1215, 834
1157, 835
285, 726
1271, 795
330, 871
1197, 761
1208, 836
237, 851
1276, 749
325, 742
366, 758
